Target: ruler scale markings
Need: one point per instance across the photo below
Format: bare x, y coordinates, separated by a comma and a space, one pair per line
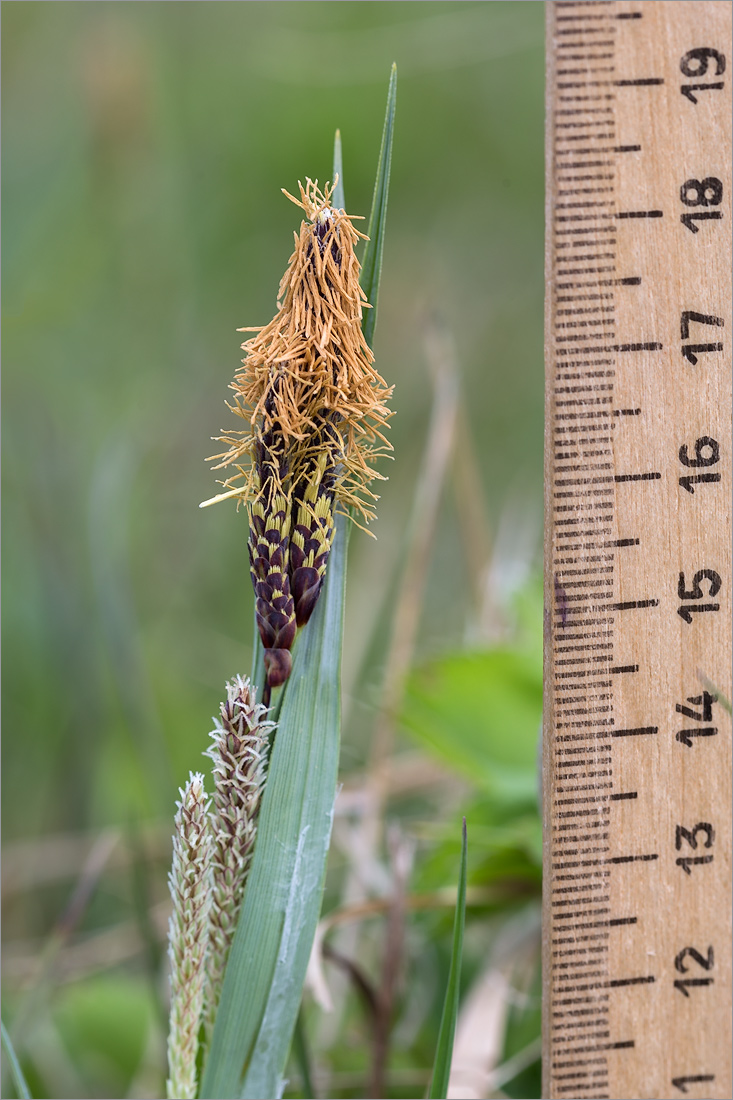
621, 784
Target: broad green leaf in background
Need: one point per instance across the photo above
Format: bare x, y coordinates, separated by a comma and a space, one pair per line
446, 1035
481, 713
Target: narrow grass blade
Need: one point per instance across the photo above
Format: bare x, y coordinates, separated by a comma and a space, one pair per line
715, 690
444, 1051
302, 1055
339, 201
264, 979
371, 269
21, 1085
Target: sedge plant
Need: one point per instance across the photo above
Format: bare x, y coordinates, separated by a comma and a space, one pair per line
315, 414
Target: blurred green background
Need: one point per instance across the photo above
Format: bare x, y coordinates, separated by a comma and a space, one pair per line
144, 148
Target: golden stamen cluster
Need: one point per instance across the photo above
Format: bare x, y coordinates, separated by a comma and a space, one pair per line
316, 413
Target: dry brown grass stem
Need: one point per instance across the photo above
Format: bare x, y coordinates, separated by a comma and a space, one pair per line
423, 521
43, 968
378, 907
86, 955
505, 980
366, 871
470, 500
401, 851
29, 864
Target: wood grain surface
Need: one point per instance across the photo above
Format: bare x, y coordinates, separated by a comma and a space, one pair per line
637, 729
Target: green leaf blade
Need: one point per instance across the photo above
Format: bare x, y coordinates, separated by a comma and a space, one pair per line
371, 268
21, 1085
266, 970
444, 1051
339, 200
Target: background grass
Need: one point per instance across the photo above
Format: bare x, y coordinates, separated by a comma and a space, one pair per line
144, 148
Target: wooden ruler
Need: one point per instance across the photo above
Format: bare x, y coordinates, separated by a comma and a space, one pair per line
637, 738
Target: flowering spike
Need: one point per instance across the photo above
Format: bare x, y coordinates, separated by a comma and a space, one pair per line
238, 751
316, 410
187, 935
